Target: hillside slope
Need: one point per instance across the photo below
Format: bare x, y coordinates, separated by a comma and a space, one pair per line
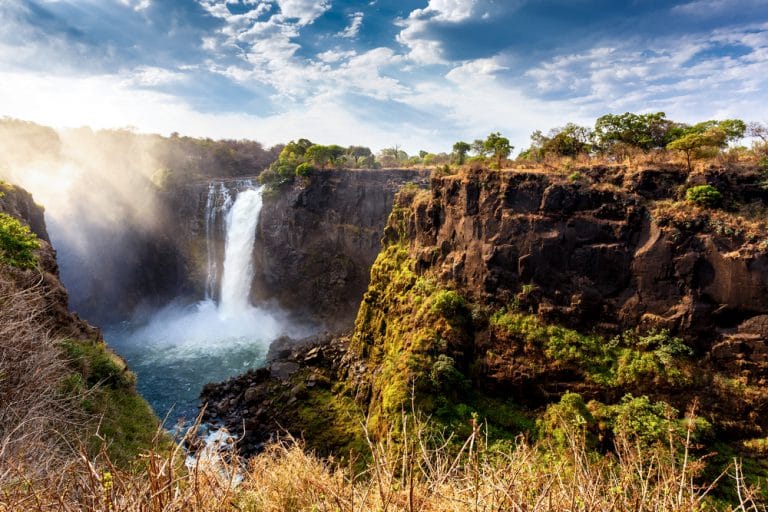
61, 386
506, 295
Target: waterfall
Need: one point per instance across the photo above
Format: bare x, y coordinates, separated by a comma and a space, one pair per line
218, 201
242, 219
181, 347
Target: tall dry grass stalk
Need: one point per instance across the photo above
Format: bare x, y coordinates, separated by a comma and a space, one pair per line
411, 469
37, 418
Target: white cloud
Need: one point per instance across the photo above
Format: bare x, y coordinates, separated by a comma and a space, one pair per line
305, 11
356, 21
150, 76
424, 48
136, 5
331, 56
714, 8
474, 69
672, 75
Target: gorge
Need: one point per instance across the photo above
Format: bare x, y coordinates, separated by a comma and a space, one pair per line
349, 296
303, 258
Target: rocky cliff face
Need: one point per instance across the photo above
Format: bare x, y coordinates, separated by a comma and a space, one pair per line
515, 287
62, 386
573, 285
317, 240
19, 203
599, 254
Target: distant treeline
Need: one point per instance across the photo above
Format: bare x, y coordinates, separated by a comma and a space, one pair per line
169, 160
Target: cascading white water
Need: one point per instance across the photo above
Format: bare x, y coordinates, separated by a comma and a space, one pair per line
242, 220
219, 200
181, 347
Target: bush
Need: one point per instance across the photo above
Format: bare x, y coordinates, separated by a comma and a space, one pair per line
98, 365
704, 195
303, 170
17, 243
449, 304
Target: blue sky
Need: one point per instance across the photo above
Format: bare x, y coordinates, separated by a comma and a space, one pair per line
418, 74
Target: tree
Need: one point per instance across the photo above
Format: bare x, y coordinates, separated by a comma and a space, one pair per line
319, 155
297, 148
734, 129
478, 148
570, 140
392, 156
759, 131
359, 151
692, 143
460, 150
643, 131
498, 147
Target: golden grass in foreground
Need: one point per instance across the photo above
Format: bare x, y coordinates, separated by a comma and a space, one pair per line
418, 473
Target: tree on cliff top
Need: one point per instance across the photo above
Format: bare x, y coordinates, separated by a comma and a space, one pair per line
643, 131
694, 144
569, 140
498, 146
460, 150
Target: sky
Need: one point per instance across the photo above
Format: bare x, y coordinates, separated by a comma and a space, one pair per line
418, 74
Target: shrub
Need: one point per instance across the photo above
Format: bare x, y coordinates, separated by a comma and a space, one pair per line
17, 243
449, 304
567, 421
98, 365
303, 170
704, 195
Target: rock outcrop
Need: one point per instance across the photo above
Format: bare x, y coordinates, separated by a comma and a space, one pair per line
524, 285
595, 254
19, 203
318, 239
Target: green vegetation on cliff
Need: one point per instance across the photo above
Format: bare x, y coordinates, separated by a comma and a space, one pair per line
17, 243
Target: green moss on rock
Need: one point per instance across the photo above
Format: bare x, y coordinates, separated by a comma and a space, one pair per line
126, 423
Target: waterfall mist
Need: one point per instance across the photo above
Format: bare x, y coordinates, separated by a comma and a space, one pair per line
180, 348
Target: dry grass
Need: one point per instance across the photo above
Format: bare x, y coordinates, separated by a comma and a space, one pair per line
418, 472
37, 418
411, 469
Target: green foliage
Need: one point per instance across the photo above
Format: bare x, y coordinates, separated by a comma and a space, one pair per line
98, 365
449, 304
704, 195
635, 419
629, 360
639, 418
498, 147
330, 423
445, 377
571, 140
17, 243
319, 155
392, 157
126, 422
304, 169
643, 131
725, 131
693, 144
567, 421
460, 150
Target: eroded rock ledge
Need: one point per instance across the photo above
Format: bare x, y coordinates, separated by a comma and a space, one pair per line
603, 252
